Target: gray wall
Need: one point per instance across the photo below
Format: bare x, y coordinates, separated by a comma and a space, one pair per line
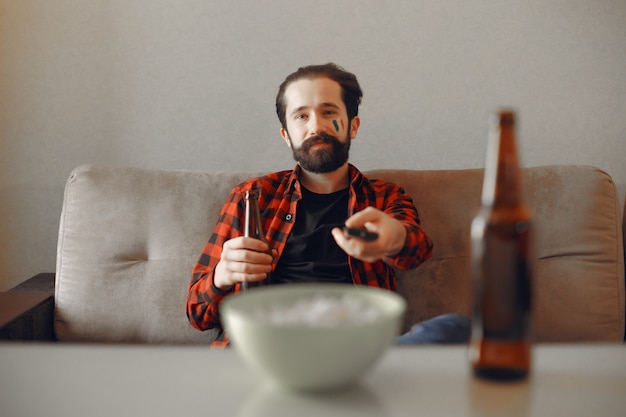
191, 85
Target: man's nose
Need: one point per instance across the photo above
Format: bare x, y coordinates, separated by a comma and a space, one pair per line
315, 125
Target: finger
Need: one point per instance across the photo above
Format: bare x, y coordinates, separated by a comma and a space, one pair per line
367, 218
251, 277
348, 243
248, 267
247, 256
242, 242
357, 248
231, 272
244, 272
340, 237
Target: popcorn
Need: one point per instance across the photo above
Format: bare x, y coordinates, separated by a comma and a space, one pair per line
320, 311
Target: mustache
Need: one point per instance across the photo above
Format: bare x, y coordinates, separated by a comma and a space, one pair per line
322, 137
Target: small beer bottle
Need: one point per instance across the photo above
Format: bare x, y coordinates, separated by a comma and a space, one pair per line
253, 227
501, 266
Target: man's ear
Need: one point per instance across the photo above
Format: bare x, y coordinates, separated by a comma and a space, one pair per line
355, 123
285, 135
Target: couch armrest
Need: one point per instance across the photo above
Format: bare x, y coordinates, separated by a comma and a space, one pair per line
27, 311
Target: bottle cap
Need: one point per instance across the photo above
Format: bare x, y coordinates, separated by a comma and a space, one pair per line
505, 117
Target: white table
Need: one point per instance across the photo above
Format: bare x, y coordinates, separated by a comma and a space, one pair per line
113, 380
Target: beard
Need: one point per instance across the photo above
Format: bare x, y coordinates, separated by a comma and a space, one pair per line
321, 160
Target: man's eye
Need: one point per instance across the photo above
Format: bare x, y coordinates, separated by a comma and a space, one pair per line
300, 117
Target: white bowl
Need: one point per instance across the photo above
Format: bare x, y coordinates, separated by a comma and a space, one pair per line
311, 357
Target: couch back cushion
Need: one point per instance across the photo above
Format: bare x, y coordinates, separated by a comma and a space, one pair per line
579, 270
129, 237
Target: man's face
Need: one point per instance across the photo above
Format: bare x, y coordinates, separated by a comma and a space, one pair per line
317, 124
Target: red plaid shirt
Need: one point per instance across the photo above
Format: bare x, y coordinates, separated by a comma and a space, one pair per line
279, 196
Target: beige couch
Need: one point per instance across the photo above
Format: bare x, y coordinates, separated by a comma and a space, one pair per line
129, 237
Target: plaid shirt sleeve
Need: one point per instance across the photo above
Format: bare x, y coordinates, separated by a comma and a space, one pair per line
393, 200
203, 296
418, 247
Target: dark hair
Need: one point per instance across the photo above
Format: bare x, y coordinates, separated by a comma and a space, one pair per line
350, 89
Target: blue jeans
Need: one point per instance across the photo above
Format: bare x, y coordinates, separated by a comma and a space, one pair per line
447, 328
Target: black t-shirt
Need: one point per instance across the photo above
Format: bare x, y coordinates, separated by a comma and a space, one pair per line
311, 254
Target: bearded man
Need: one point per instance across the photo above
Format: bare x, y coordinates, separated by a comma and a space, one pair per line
304, 211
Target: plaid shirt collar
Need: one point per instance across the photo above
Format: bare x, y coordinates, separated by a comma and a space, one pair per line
356, 179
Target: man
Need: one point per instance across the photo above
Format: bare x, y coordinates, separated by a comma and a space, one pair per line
304, 209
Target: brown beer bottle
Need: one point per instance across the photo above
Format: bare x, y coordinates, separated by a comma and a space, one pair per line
501, 265
253, 227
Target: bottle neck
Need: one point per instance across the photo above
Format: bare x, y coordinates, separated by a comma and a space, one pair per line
253, 226
252, 206
502, 183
